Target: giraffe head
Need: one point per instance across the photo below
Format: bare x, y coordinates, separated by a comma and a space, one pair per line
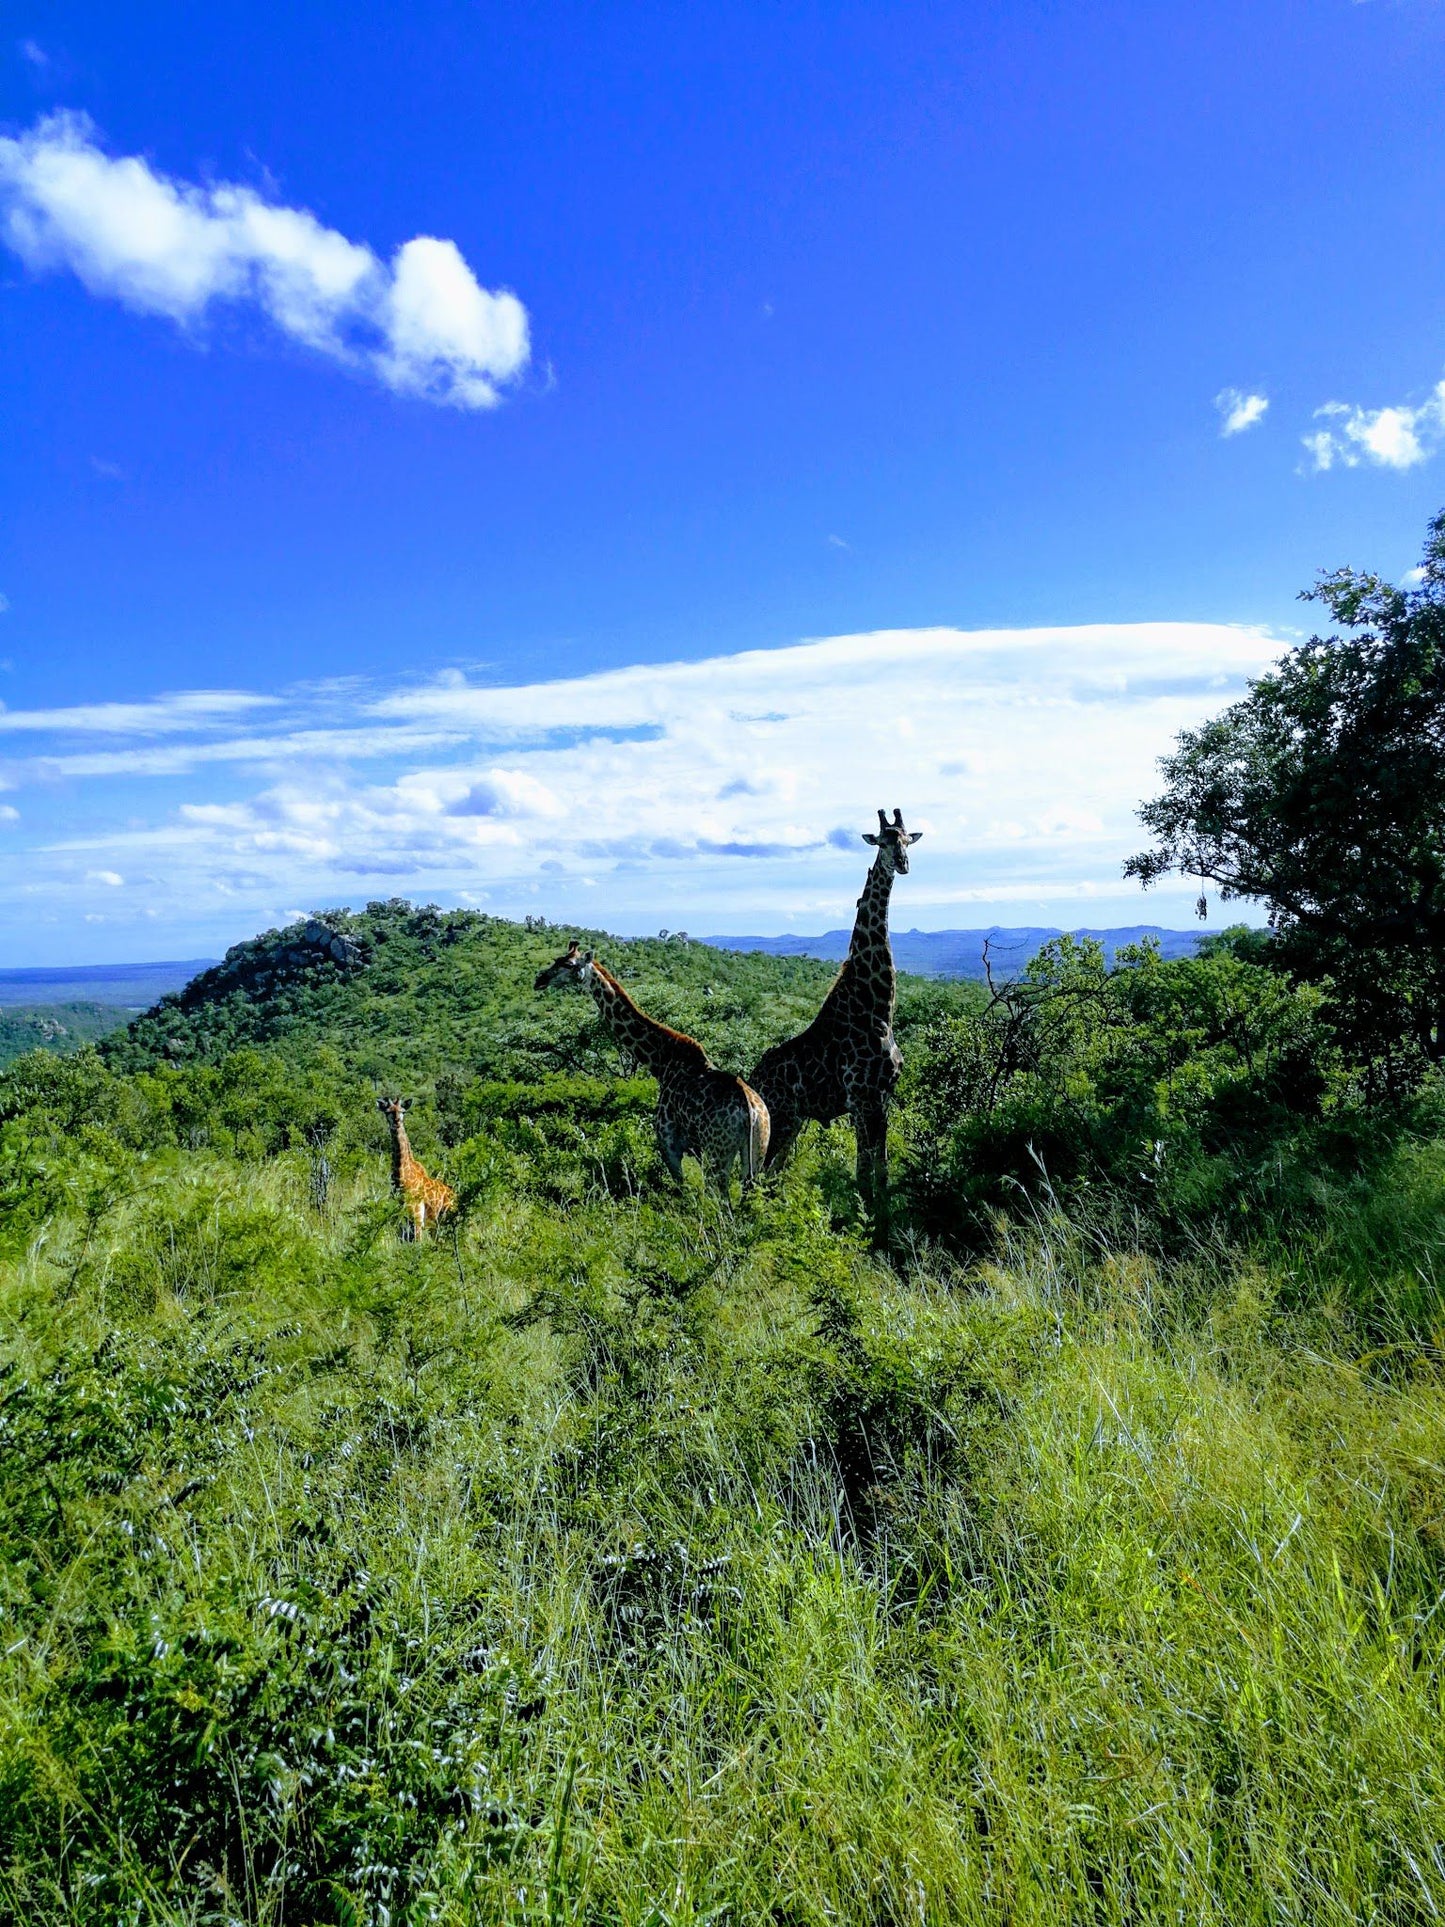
572, 968
892, 840
393, 1109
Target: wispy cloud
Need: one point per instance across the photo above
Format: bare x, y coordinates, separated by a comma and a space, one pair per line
1239, 410
1399, 437
422, 324
726, 792
189, 709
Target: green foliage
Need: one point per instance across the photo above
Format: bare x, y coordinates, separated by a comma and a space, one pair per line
55, 1027
633, 1561
1322, 795
450, 993
628, 1554
1182, 1091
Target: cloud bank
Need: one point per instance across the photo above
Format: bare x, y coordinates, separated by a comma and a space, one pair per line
724, 794
422, 324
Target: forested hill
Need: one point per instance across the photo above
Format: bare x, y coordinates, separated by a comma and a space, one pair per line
398, 992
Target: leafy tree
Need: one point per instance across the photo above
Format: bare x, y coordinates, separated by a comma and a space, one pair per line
1322, 795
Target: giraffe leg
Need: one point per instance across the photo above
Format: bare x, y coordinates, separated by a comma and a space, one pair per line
870, 1124
717, 1152
780, 1145
717, 1165
669, 1143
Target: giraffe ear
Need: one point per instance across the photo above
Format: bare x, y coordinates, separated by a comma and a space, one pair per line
588, 956
915, 836
868, 837
381, 1104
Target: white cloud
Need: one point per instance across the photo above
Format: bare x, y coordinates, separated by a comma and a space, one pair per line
8, 813
4, 604
112, 879
1399, 437
1239, 410
726, 793
423, 325
189, 709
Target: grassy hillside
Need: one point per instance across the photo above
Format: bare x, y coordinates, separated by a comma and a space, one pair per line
432, 990
628, 1555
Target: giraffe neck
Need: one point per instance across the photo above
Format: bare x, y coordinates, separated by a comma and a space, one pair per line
659, 1047
402, 1161
870, 927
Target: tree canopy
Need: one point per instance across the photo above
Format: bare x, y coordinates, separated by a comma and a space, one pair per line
1321, 794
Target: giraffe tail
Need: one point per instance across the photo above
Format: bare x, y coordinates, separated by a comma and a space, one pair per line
759, 1130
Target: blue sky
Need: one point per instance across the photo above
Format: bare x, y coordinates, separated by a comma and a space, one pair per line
492, 360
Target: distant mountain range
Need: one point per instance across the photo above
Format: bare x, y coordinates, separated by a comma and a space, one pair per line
124, 986
959, 953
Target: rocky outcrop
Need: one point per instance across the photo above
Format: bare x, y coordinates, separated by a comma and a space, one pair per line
314, 942
275, 957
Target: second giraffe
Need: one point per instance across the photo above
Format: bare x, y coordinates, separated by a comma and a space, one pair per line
701, 1111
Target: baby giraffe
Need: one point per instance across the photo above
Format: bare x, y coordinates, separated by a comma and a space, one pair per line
427, 1198
701, 1111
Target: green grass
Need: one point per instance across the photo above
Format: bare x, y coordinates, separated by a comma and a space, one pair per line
629, 1558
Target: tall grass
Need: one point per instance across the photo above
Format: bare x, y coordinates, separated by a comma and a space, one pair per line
636, 1559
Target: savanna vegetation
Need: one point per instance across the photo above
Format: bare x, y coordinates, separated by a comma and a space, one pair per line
1069, 1547
55, 1027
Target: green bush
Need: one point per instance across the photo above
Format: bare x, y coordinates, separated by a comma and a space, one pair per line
1176, 1091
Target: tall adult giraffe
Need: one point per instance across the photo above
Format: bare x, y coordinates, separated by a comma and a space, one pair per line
701, 1111
846, 1061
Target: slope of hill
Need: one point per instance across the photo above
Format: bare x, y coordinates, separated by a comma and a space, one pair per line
960, 953
403, 992
55, 1027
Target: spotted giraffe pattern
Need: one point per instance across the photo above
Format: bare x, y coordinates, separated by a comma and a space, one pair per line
702, 1112
846, 1062
427, 1199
